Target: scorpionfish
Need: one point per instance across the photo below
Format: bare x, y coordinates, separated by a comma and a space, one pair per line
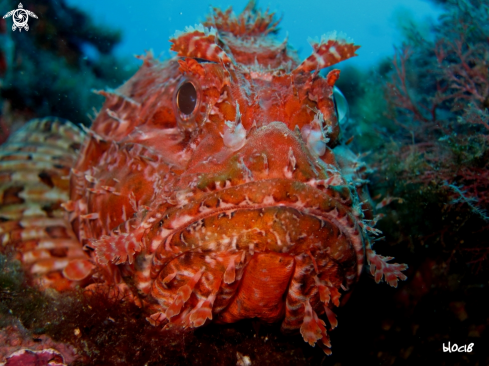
210, 187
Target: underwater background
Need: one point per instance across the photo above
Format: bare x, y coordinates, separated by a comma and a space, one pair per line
418, 94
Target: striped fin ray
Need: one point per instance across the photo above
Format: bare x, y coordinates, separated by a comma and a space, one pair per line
35, 164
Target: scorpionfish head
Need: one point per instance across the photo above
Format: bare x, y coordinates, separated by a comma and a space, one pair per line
215, 186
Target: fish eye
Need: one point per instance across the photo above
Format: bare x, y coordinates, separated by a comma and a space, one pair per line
187, 98
340, 106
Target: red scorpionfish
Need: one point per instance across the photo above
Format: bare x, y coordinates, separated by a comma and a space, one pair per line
212, 186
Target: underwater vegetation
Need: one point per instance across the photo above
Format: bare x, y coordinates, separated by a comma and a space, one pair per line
433, 145
419, 120
52, 69
422, 120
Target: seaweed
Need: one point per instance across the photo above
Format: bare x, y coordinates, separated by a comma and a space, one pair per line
427, 129
424, 124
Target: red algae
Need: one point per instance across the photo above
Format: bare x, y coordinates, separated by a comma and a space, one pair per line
423, 119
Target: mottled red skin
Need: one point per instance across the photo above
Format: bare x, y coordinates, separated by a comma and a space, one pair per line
247, 207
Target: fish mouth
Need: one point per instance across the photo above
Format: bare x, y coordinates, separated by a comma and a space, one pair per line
275, 215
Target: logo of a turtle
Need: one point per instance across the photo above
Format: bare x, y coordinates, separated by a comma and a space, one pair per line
20, 17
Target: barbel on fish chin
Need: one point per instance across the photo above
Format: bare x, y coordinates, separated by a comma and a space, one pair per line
214, 181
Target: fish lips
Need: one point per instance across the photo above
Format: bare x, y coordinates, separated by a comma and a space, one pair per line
274, 215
